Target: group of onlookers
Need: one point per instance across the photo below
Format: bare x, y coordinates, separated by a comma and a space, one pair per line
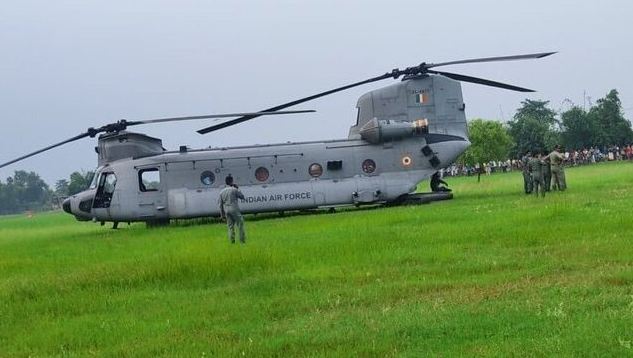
571, 157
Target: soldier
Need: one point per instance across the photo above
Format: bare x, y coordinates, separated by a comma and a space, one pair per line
547, 173
527, 179
536, 169
435, 183
230, 209
558, 171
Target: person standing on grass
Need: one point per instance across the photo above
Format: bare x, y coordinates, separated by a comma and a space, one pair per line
547, 174
230, 209
536, 169
556, 159
527, 179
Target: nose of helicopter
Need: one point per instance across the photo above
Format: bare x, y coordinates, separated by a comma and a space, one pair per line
66, 206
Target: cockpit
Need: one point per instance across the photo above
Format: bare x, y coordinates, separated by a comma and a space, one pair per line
98, 195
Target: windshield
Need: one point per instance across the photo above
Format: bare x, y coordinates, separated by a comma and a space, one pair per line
93, 183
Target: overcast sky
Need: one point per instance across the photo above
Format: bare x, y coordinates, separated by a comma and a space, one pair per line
69, 65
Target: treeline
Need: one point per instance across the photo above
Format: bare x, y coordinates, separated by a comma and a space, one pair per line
538, 128
26, 191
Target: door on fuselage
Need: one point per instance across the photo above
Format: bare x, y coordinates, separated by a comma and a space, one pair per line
151, 193
104, 198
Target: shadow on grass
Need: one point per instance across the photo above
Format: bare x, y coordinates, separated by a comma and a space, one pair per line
294, 213
276, 215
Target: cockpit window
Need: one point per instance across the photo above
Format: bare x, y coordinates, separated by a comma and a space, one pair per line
93, 183
105, 190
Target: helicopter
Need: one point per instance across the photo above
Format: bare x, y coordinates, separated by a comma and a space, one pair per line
403, 134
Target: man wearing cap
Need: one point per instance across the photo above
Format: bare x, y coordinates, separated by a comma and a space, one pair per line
556, 159
536, 165
230, 209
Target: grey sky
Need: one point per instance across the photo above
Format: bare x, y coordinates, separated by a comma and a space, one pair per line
69, 65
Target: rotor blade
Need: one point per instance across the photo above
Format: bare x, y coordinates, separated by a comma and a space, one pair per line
218, 116
493, 59
481, 81
232, 122
83, 135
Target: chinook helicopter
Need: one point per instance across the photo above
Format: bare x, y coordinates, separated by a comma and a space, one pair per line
403, 134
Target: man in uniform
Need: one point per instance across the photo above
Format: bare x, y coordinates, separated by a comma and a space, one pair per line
536, 169
435, 183
558, 171
230, 209
527, 179
547, 173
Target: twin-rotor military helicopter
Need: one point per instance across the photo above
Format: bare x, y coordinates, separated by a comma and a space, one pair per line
403, 134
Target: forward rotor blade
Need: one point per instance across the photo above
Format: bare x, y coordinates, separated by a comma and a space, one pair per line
493, 59
481, 81
77, 137
232, 122
217, 116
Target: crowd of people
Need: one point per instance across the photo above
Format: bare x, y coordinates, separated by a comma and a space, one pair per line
571, 158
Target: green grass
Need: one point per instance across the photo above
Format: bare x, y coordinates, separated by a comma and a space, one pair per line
491, 273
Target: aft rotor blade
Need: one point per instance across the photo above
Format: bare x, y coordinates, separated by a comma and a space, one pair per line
493, 59
481, 81
83, 135
293, 103
217, 116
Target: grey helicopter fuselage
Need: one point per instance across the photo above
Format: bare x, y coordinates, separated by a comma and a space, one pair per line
403, 134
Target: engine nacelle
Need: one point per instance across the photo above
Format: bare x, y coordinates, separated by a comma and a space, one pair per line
378, 131
123, 144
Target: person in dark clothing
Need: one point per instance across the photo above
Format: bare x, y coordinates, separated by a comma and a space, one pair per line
435, 183
527, 177
536, 169
547, 173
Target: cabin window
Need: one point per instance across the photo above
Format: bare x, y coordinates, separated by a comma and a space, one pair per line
315, 170
149, 179
335, 165
261, 174
369, 166
207, 178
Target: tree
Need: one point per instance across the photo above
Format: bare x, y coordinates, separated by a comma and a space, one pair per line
489, 141
61, 187
579, 129
23, 191
614, 128
8, 202
79, 181
533, 127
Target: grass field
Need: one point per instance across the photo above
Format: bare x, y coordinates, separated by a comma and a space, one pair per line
491, 273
